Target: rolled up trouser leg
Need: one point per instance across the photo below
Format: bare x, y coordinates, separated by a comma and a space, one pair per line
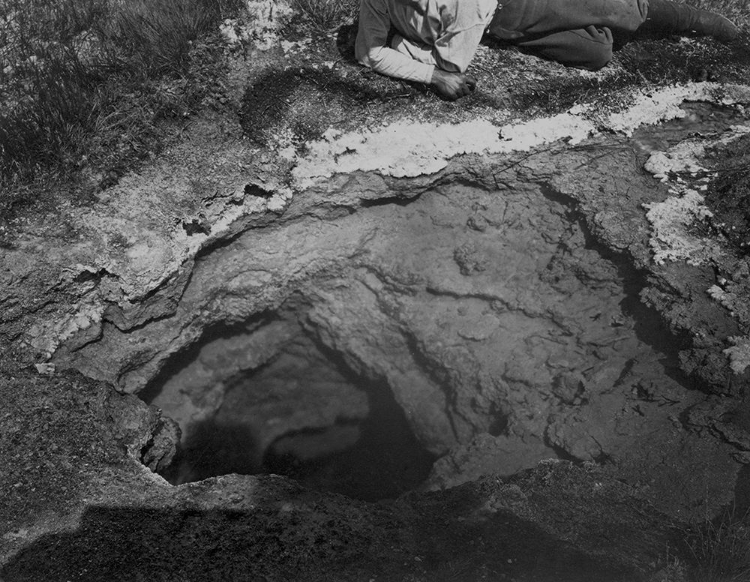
586, 48
519, 18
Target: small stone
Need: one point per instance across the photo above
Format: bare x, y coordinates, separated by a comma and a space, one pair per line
45, 369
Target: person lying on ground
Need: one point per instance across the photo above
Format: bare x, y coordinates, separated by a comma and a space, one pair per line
433, 41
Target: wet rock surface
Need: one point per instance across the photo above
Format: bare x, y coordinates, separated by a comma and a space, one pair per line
553, 300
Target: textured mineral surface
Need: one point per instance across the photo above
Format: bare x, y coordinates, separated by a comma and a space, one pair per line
501, 339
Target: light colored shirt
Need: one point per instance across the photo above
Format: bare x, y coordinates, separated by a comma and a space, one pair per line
431, 33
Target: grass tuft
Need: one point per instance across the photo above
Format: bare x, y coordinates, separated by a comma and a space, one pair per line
720, 549
153, 38
327, 15
72, 69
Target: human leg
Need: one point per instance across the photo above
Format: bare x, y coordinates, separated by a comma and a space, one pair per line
667, 17
517, 19
586, 48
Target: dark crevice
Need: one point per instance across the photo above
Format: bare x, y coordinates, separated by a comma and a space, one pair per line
89, 276
492, 299
402, 201
331, 211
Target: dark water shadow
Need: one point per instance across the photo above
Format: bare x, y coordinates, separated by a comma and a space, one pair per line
385, 462
214, 448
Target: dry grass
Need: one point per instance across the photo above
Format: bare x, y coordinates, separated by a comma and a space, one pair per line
153, 38
85, 83
328, 15
720, 549
73, 70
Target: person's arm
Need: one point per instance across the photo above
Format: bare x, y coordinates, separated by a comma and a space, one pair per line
372, 48
413, 62
446, 78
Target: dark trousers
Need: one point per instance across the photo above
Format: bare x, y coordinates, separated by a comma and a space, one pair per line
577, 33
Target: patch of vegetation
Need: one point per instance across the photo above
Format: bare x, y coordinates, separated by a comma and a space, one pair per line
84, 83
720, 549
327, 15
153, 38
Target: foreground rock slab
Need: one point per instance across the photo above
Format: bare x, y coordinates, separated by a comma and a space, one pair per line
92, 511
